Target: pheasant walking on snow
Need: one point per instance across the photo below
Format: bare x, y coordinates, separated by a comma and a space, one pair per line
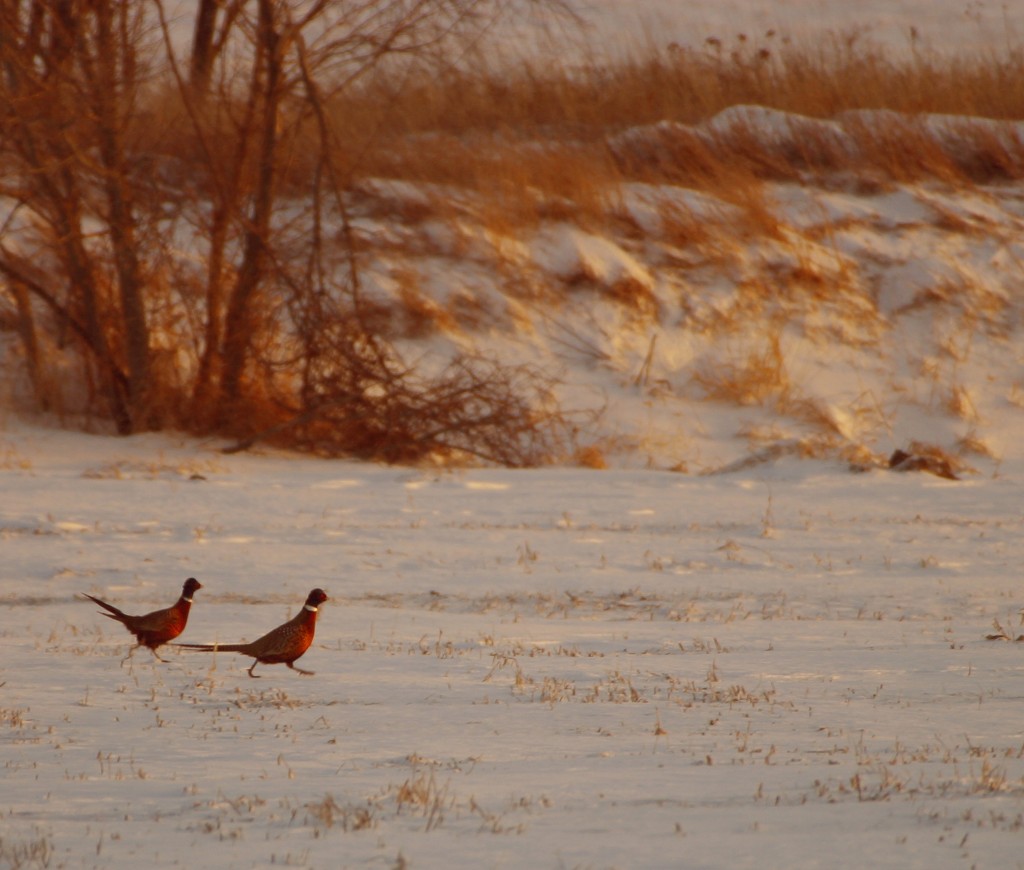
156, 628
282, 645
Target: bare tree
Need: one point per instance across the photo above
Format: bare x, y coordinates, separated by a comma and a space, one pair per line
68, 80
268, 86
104, 203
214, 22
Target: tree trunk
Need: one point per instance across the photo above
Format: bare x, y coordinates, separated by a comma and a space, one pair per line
202, 58
30, 342
240, 321
111, 85
42, 125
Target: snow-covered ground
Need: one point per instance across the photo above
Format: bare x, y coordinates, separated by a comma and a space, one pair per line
550, 668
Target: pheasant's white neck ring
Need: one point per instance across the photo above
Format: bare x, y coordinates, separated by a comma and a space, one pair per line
186, 600
310, 608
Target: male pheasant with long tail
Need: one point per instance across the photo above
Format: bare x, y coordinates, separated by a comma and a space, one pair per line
282, 645
157, 628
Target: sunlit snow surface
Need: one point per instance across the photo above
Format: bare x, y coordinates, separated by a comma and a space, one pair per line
551, 668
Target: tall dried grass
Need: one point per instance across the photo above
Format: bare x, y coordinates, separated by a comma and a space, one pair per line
531, 143
483, 111
539, 141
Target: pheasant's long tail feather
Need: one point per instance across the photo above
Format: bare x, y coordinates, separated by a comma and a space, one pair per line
215, 647
114, 612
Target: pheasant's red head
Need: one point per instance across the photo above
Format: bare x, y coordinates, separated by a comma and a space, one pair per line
315, 599
190, 587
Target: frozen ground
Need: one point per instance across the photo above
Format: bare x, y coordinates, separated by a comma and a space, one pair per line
553, 668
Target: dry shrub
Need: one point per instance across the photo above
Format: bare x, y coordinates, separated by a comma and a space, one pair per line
356, 397
475, 408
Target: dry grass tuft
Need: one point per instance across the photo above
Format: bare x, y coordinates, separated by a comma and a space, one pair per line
21, 854
329, 814
930, 458
421, 795
756, 378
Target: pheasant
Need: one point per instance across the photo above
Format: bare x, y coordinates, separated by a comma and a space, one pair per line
282, 645
156, 628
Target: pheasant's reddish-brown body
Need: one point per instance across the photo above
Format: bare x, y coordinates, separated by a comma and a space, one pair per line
159, 627
282, 645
